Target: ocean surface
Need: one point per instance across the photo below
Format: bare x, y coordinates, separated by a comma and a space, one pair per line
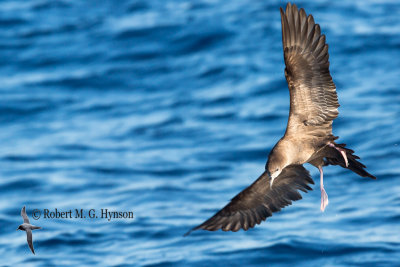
169, 108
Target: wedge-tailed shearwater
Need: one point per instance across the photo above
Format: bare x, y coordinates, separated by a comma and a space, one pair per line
308, 137
27, 227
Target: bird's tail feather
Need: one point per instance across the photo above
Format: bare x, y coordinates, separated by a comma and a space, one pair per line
334, 157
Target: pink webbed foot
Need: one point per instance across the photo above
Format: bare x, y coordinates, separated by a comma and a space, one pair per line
324, 199
342, 151
324, 195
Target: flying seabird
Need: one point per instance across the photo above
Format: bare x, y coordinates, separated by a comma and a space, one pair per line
308, 137
27, 227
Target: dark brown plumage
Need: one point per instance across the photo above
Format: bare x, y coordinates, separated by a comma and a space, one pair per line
257, 202
308, 137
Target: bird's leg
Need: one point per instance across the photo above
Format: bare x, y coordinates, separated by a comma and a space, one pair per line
342, 151
324, 195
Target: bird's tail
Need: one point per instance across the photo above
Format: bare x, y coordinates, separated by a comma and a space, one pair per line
334, 157
36, 227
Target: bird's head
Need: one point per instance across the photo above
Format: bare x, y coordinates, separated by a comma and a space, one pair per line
275, 164
274, 168
20, 228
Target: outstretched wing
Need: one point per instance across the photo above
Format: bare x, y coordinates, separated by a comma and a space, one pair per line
29, 239
23, 214
258, 201
313, 99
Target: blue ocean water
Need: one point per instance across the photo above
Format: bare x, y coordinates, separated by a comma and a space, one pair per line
168, 109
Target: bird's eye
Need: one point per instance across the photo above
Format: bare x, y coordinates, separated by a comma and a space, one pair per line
277, 170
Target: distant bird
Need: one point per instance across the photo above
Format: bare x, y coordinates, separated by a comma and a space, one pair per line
27, 227
308, 137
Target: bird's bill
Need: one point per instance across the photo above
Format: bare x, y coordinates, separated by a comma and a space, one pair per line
272, 177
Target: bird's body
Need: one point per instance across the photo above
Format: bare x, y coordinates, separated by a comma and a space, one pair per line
27, 227
308, 137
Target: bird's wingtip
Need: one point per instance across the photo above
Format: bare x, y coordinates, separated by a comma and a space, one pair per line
188, 233
191, 230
